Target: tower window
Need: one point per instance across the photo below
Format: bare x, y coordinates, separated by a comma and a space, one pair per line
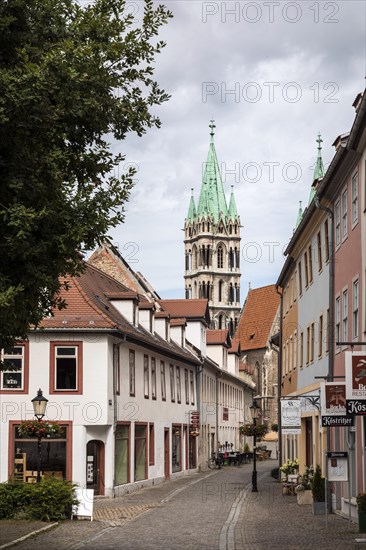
220, 257
220, 290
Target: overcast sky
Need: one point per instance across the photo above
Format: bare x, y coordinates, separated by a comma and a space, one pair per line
272, 75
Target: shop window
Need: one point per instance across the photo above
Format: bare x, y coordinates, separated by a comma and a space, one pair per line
14, 376
121, 454
140, 452
55, 458
66, 367
176, 448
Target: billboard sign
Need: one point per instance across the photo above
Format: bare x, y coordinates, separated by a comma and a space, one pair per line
290, 416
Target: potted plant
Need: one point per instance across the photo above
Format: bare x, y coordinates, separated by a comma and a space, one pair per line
303, 490
361, 507
318, 491
290, 467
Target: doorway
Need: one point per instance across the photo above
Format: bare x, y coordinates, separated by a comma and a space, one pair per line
95, 466
166, 454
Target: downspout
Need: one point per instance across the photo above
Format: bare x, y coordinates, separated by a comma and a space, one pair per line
115, 408
217, 412
199, 370
279, 381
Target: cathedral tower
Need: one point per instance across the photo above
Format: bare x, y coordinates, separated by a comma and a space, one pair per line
212, 247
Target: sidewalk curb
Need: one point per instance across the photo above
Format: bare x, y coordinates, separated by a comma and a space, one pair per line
21, 539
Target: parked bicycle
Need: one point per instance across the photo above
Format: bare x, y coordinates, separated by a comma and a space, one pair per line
215, 461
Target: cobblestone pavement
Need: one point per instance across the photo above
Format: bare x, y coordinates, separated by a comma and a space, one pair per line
214, 510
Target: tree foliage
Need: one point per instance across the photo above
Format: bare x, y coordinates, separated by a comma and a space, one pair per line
72, 77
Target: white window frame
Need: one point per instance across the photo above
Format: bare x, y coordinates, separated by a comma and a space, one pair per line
337, 320
64, 356
345, 315
337, 217
354, 198
7, 357
344, 215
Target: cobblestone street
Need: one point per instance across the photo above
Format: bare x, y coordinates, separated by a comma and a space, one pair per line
212, 510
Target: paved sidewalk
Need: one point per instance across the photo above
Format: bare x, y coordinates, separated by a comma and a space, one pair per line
215, 510
269, 519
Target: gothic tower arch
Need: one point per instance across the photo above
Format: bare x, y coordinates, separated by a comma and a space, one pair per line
212, 246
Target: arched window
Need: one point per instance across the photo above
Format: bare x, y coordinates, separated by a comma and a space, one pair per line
231, 293
230, 229
231, 258
220, 322
220, 257
187, 293
237, 293
187, 262
231, 327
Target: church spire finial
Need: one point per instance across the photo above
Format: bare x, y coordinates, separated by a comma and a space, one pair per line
319, 167
212, 127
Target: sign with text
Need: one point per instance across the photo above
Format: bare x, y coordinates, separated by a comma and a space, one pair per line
337, 466
290, 416
355, 376
356, 407
333, 405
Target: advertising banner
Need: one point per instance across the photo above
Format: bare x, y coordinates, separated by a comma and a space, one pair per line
290, 416
333, 405
355, 367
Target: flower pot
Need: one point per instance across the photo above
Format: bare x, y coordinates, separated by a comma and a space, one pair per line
318, 508
305, 497
361, 521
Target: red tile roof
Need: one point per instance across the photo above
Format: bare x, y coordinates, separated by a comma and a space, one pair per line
89, 307
257, 316
189, 309
235, 346
218, 337
178, 322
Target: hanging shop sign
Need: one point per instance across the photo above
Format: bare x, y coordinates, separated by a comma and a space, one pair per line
355, 363
337, 466
333, 405
290, 416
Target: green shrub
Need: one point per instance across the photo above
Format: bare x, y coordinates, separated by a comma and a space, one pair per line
318, 486
50, 500
246, 448
275, 473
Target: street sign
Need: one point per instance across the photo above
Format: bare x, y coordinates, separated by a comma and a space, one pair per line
333, 405
356, 407
355, 376
290, 416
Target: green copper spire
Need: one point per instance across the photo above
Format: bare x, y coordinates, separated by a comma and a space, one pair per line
212, 191
319, 167
192, 208
299, 216
318, 170
233, 213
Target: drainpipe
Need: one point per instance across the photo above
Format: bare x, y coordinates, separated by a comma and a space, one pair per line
217, 412
279, 381
115, 409
198, 391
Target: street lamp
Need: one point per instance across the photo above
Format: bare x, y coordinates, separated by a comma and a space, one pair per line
39, 406
254, 409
